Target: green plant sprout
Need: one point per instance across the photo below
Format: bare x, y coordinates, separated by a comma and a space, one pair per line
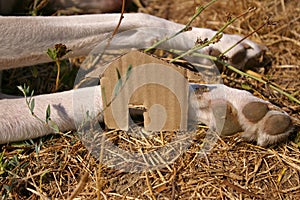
30, 102
119, 86
120, 83
56, 54
38, 5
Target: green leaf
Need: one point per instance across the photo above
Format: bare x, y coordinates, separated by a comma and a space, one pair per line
129, 69
118, 87
22, 90
27, 89
32, 105
55, 128
37, 149
52, 54
118, 74
119, 83
32, 92
48, 112
246, 86
49, 53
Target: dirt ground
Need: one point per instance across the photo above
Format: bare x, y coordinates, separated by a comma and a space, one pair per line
60, 166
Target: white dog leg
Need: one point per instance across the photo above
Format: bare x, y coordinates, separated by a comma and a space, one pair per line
17, 123
25, 40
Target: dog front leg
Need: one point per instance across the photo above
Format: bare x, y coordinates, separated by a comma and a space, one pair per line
17, 123
25, 40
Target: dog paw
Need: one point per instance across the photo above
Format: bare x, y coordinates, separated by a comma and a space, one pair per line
229, 111
245, 54
273, 127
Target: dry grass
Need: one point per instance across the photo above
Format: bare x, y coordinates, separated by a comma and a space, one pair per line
60, 166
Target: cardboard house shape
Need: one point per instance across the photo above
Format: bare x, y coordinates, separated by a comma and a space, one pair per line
149, 85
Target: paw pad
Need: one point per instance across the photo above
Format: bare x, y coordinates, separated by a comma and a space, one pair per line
277, 124
255, 111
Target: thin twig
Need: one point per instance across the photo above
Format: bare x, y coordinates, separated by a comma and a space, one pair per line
57, 61
80, 186
120, 20
214, 39
99, 174
187, 27
97, 58
149, 186
244, 38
